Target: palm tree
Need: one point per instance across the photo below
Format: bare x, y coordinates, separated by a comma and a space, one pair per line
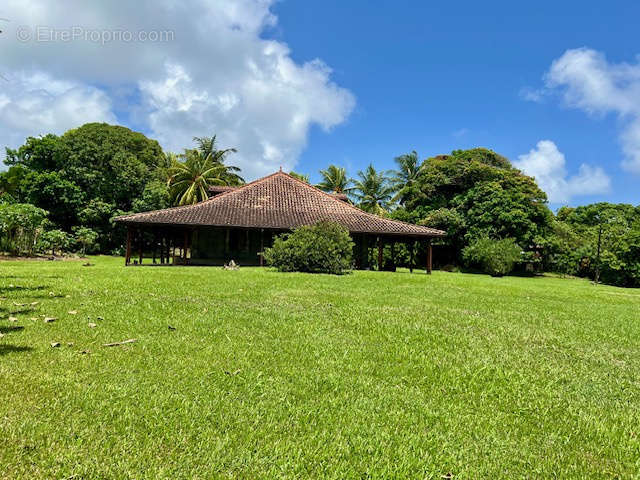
373, 190
209, 150
189, 181
334, 179
403, 179
300, 176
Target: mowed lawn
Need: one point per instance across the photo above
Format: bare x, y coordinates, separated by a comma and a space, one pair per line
271, 375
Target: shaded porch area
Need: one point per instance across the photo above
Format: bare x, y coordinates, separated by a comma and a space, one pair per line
153, 244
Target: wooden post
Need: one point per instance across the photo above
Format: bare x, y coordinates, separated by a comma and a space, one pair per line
261, 247
155, 245
429, 257
380, 248
393, 255
412, 246
185, 246
127, 258
141, 246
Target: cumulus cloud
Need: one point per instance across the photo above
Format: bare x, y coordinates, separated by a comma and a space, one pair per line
212, 71
547, 165
36, 104
589, 82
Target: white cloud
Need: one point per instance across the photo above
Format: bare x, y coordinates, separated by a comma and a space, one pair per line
217, 74
548, 166
590, 83
36, 105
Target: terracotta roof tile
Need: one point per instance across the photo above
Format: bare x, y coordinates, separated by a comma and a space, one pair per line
280, 202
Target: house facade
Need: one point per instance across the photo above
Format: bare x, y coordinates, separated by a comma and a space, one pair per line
238, 223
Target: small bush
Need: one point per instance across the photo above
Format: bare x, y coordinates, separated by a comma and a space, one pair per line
495, 257
322, 248
55, 240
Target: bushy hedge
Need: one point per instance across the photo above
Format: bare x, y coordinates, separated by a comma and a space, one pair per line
322, 248
495, 257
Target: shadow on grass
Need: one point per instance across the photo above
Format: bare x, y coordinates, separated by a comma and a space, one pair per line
18, 288
11, 328
7, 349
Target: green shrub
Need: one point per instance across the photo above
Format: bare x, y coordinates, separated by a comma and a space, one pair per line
20, 224
495, 257
322, 248
86, 237
55, 240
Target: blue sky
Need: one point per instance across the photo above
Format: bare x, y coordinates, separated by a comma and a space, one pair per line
553, 86
434, 76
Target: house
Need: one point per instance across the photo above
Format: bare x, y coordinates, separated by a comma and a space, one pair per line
238, 223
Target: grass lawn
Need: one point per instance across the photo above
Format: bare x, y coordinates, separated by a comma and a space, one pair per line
369, 375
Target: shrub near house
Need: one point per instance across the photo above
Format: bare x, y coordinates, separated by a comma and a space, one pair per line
322, 248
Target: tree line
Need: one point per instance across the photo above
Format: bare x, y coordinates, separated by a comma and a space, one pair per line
62, 192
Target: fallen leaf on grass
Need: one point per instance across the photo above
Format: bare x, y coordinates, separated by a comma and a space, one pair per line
72, 312
69, 344
55, 344
33, 318
33, 304
117, 344
1, 335
49, 319
92, 325
19, 304
13, 319
51, 294
233, 373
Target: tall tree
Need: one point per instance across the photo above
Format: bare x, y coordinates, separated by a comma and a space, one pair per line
404, 178
335, 179
207, 146
373, 190
189, 181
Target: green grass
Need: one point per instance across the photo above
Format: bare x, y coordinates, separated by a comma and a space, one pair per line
269, 375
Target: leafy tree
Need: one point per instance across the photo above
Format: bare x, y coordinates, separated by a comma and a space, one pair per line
322, 248
373, 190
599, 241
155, 196
55, 240
406, 176
495, 257
62, 198
40, 154
20, 225
334, 179
476, 193
86, 237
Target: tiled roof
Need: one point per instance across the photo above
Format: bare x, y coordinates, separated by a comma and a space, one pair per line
279, 202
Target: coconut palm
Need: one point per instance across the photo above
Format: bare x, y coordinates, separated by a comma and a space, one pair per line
373, 190
404, 178
300, 176
189, 181
334, 179
209, 150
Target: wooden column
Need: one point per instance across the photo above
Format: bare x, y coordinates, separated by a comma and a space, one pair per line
185, 246
127, 258
429, 257
141, 246
380, 249
412, 246
261, 247
393, 255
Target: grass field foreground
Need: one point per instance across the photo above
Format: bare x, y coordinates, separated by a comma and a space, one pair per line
271, 375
